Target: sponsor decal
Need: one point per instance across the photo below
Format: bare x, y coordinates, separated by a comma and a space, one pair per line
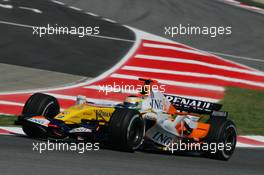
178, 101
61, 116
156, 104
162, 138
43, 122
159, 135
87, 113
102, 113
81, 129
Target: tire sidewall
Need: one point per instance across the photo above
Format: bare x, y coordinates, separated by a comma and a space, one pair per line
218, 135
120, 126
41, 104
136, 144
228, 125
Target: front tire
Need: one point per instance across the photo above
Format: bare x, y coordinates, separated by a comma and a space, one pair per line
126, 129
42, 105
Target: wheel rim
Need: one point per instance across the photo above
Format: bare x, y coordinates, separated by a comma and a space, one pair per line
135, 132
230, 138
50, 110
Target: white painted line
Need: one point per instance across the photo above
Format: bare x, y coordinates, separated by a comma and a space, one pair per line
16, 130
58, 2
238, 57
96, 36
10, 103
64, 97
16, 24
31, 91
6, 6
231, 1
174, 83
255, 137
112, 38
109, 20
194, 74
31, 9
75, 8
187, 61
243, 145
92, 14
5, 114
148, 36
160, 46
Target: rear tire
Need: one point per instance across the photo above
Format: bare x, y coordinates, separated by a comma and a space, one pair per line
126, 129
42, 105
221, 131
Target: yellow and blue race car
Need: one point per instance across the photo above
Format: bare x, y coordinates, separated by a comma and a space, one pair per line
150, 119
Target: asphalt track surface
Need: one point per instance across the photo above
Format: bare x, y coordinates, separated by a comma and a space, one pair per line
87, 56
16, 155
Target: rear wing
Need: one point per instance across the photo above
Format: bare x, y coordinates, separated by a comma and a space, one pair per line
193, 105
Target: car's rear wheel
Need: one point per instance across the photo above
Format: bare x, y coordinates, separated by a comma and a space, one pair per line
42, 105
126, 129
222, 131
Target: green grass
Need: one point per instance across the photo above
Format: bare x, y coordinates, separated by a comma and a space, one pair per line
246, 109
7, 120
252, 3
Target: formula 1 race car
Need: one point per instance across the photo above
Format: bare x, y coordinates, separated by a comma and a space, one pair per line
150, 119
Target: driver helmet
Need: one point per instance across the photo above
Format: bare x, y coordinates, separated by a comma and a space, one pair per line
133, 102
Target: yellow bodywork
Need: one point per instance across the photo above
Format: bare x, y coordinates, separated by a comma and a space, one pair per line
77, 113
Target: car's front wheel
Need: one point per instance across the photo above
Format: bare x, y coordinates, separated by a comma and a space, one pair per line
42, 105
126, 129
